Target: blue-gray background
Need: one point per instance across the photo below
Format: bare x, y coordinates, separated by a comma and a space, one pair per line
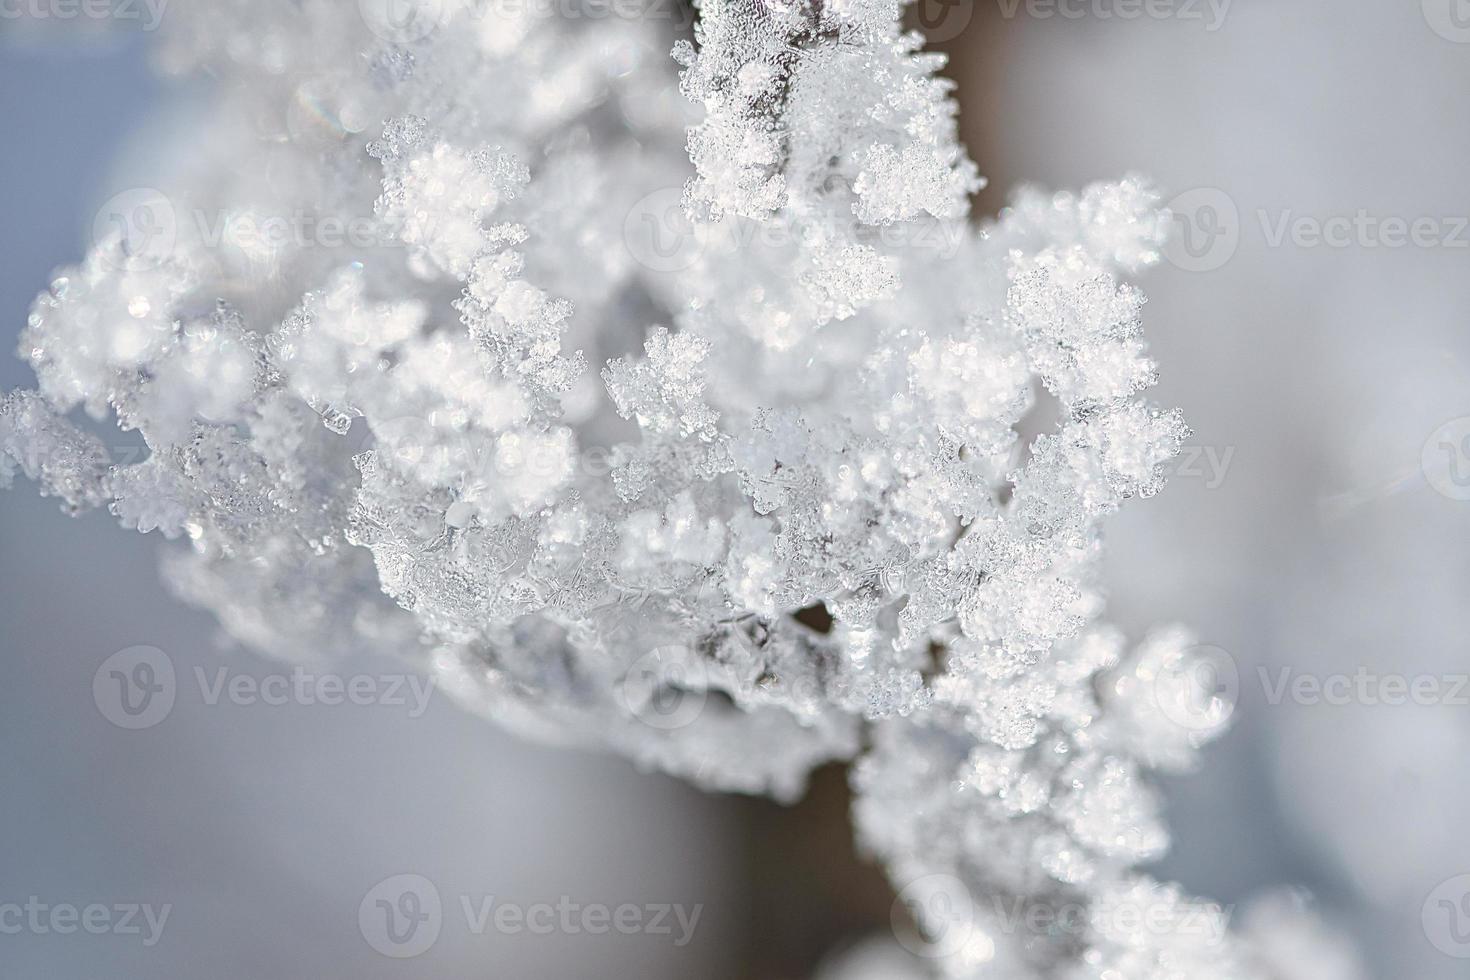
1320, 548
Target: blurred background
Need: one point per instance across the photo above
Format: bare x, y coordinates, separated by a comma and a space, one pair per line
1311, 325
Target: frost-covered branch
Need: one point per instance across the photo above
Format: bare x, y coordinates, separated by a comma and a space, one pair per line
604, 485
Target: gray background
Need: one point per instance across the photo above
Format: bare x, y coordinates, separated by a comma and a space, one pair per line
1323, 548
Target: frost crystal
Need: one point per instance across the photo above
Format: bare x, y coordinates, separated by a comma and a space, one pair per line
794, 523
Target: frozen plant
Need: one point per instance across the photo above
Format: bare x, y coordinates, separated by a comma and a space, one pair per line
726, 479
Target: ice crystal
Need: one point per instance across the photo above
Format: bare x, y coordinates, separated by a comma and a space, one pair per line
795, 523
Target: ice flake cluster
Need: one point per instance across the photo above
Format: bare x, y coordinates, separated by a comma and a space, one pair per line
735, 515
